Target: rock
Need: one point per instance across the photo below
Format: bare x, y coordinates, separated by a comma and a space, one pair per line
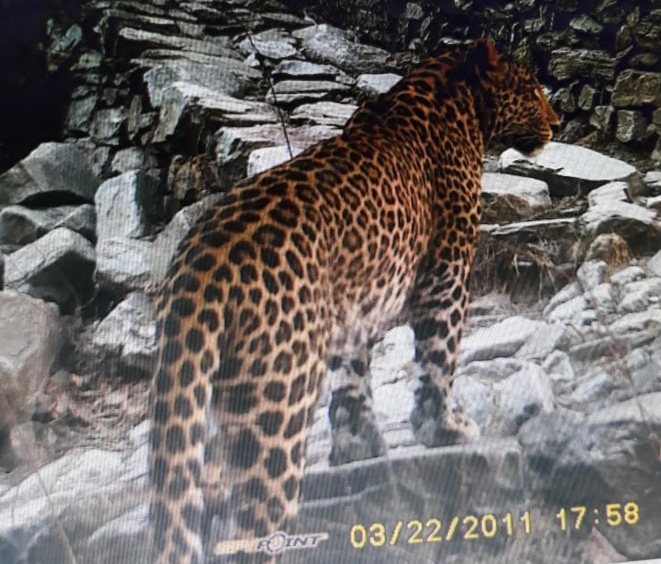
52, 168
652, 182
80, 114
631, 126
654, 264
567, 293
298, 91
560, 370
610, 193
131, 158
567, 63
373, 84
220, 74
31, 336
636, 225
235, 144
165, 245
567, 312
134, 42
272, 44
592, 387
523, 396
304, 69
567, 169
327, 44
268, 157
602, 118
591, 274
627, 275
586, 97
502, 339
20, 225
602, 298
123, 264
57, 267
323, 113
125, 341
506, 197
585, 24
107, 126
84, 493
638, 322
184, 99
637, 88
121, 204
638, 296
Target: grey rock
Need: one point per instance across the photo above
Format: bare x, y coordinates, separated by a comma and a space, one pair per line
57, 267
602, 118
305, 69
591, 274
168, 240
107, 126
79, 114
235, 144
127, 336
50, 169
31, 336
502, 339
631, 126
567, 63
123, 264
297, 91
637, 296
638, 226
220, 74
131, 158
627, 275
273, 44
121, 203
20, 225
593, 387
586, 97
609, 193
547, 338
506, 197
560, 369
323, 113
137, 41
564, 99
326, 44
183, 99
373, 84
654, 264
268, 157
567, 169
652, 181
523, 396
637, 88
567, 312
586, 24
640, 321
82, 493
642, 372
81, 220
566, 293
603, 298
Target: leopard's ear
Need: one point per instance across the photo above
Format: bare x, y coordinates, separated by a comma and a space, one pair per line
485, 56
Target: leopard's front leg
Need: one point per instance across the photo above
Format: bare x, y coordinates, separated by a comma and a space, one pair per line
436, 311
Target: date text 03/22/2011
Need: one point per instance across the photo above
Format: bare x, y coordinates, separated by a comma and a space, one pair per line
487, 526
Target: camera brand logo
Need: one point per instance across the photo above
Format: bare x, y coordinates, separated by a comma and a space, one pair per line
274, 544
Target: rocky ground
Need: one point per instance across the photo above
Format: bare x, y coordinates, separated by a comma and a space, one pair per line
560, 365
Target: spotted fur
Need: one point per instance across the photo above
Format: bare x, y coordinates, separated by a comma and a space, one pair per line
298, 270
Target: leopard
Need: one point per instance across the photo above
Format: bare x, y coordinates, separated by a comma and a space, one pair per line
295, 273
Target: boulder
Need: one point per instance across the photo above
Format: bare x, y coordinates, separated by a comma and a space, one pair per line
52, 171
567, 169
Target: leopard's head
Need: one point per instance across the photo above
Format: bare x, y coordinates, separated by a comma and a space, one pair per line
511, 101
